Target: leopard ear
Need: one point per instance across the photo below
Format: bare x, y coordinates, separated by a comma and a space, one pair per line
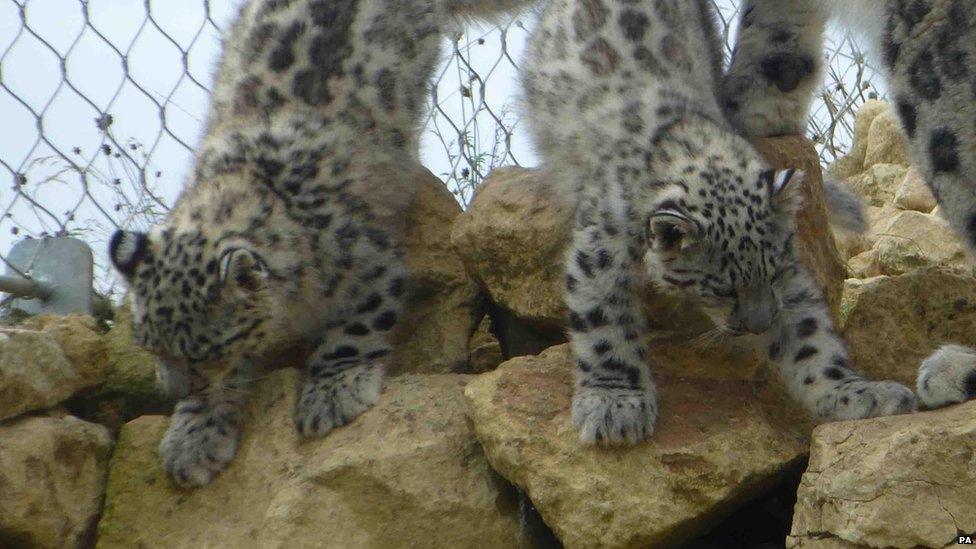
127, 249
785, 187
242, 270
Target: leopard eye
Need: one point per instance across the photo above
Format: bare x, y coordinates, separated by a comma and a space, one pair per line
669, 231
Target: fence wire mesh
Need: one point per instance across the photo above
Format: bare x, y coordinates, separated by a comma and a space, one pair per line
103, 101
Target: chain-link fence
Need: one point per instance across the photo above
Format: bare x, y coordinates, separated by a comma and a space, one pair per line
103, 101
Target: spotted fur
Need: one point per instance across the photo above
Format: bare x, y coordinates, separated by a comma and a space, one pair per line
624, 102
274, 243
928, 50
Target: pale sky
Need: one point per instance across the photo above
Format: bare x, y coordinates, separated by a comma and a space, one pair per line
30, 78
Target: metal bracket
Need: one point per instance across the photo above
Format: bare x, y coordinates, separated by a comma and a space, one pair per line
60, 271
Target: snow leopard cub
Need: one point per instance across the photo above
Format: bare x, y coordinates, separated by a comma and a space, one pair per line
928, 50
622, 100
273, 243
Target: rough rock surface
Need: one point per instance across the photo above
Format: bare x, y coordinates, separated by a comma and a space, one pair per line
865, 264
893, 323
34, 372
80, 339
886, 141
853, 162
408, 473
914, 194
52, 478
443, 304
902, 481
878, 183
716, 444
513, 236
911, 240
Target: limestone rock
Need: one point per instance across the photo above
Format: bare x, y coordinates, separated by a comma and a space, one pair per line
877, 185
513, 238
408, 473
716, 444
80, 338
34, 372
443, 304
911, 240
886, 141
914, 194
902, 481
52, 478
865, 264
894, 322
853, 163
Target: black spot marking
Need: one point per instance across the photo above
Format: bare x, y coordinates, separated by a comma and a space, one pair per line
571, 283
913, 12
283, 55
634, 24
971, 230
602, 348
808, 380
834, 373
396, 287
576, 322
943, 151
969, 385
344, 351
909, 117
807, 327
356, 329
584, 264
386, 84
804, 353
377, 354
311, 88
372, 303
774, 350
923, 78
596, 317
385, 321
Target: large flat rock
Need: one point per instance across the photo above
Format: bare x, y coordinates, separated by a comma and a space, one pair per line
720, 439
902, 481
408, 473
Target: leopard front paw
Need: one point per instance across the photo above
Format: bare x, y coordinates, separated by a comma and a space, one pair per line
198, 445
614, 416
948, 376
325, 404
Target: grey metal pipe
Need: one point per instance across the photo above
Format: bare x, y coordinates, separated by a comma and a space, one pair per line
22, 287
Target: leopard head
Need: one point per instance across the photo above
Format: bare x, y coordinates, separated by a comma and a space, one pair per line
195, 300
724, 234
